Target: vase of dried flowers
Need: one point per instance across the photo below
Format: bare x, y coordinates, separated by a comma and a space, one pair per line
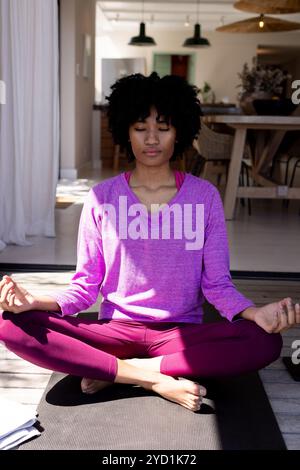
263, 82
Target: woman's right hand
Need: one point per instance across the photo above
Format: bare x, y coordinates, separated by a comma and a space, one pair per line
14, 298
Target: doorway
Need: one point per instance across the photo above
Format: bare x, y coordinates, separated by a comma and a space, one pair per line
175, 64
180, 65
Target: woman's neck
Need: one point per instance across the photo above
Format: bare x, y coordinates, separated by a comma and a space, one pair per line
152, 177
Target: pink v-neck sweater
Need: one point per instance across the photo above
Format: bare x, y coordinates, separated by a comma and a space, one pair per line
146, 267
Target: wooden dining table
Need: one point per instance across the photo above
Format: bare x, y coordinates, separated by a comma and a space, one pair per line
265, 150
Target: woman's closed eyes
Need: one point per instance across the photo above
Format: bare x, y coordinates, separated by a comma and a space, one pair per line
141, 129
162, 124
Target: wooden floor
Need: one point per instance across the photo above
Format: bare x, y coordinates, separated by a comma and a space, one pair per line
25, 383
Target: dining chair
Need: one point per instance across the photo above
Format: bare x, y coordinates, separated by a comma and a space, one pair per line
216, 147
213, 147
283, 159
288, 151
297, 165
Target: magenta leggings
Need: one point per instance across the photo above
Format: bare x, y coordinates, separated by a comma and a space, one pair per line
90, 349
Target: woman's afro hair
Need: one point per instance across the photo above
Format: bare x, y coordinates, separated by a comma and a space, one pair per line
173, 97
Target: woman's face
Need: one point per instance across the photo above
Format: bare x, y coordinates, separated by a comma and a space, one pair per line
152, 139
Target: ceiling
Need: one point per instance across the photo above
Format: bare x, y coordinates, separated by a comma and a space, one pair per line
171, 14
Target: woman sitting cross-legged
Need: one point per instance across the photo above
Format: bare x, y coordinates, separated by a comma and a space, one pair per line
153, 242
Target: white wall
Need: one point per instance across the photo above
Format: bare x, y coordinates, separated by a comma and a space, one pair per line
77, 92
218, 64
67, 86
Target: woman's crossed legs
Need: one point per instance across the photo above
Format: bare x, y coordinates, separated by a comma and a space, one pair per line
161, 352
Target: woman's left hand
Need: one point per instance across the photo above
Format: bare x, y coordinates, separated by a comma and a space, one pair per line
278, 316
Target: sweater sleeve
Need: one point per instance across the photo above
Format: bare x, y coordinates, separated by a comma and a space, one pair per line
217, 285
85, 285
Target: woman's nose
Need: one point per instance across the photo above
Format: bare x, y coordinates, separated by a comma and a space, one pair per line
151, 136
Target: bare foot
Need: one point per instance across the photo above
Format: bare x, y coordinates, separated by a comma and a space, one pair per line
90, 386
152, 363
184, 392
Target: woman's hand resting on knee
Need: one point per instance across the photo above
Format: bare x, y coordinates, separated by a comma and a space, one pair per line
275, 317
16, 299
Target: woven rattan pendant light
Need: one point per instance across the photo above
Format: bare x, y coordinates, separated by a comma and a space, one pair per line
260, 24
268, 6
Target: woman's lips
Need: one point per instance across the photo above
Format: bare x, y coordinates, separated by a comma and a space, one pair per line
152, 153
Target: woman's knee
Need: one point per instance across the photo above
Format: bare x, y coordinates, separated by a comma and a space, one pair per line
264, 347
273, 344
14, 327
8, 327
267, 346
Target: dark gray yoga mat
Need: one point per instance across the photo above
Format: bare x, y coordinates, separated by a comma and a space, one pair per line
235, 415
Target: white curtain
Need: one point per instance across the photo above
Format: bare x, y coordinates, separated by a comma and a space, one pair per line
29, 121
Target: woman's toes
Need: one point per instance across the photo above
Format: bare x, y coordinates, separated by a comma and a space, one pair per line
193, 406
199, 390
194, 387
85, 384
197, 406
91, 386
195, 403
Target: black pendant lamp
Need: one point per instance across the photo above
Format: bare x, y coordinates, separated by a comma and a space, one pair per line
142, 39
196, 40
